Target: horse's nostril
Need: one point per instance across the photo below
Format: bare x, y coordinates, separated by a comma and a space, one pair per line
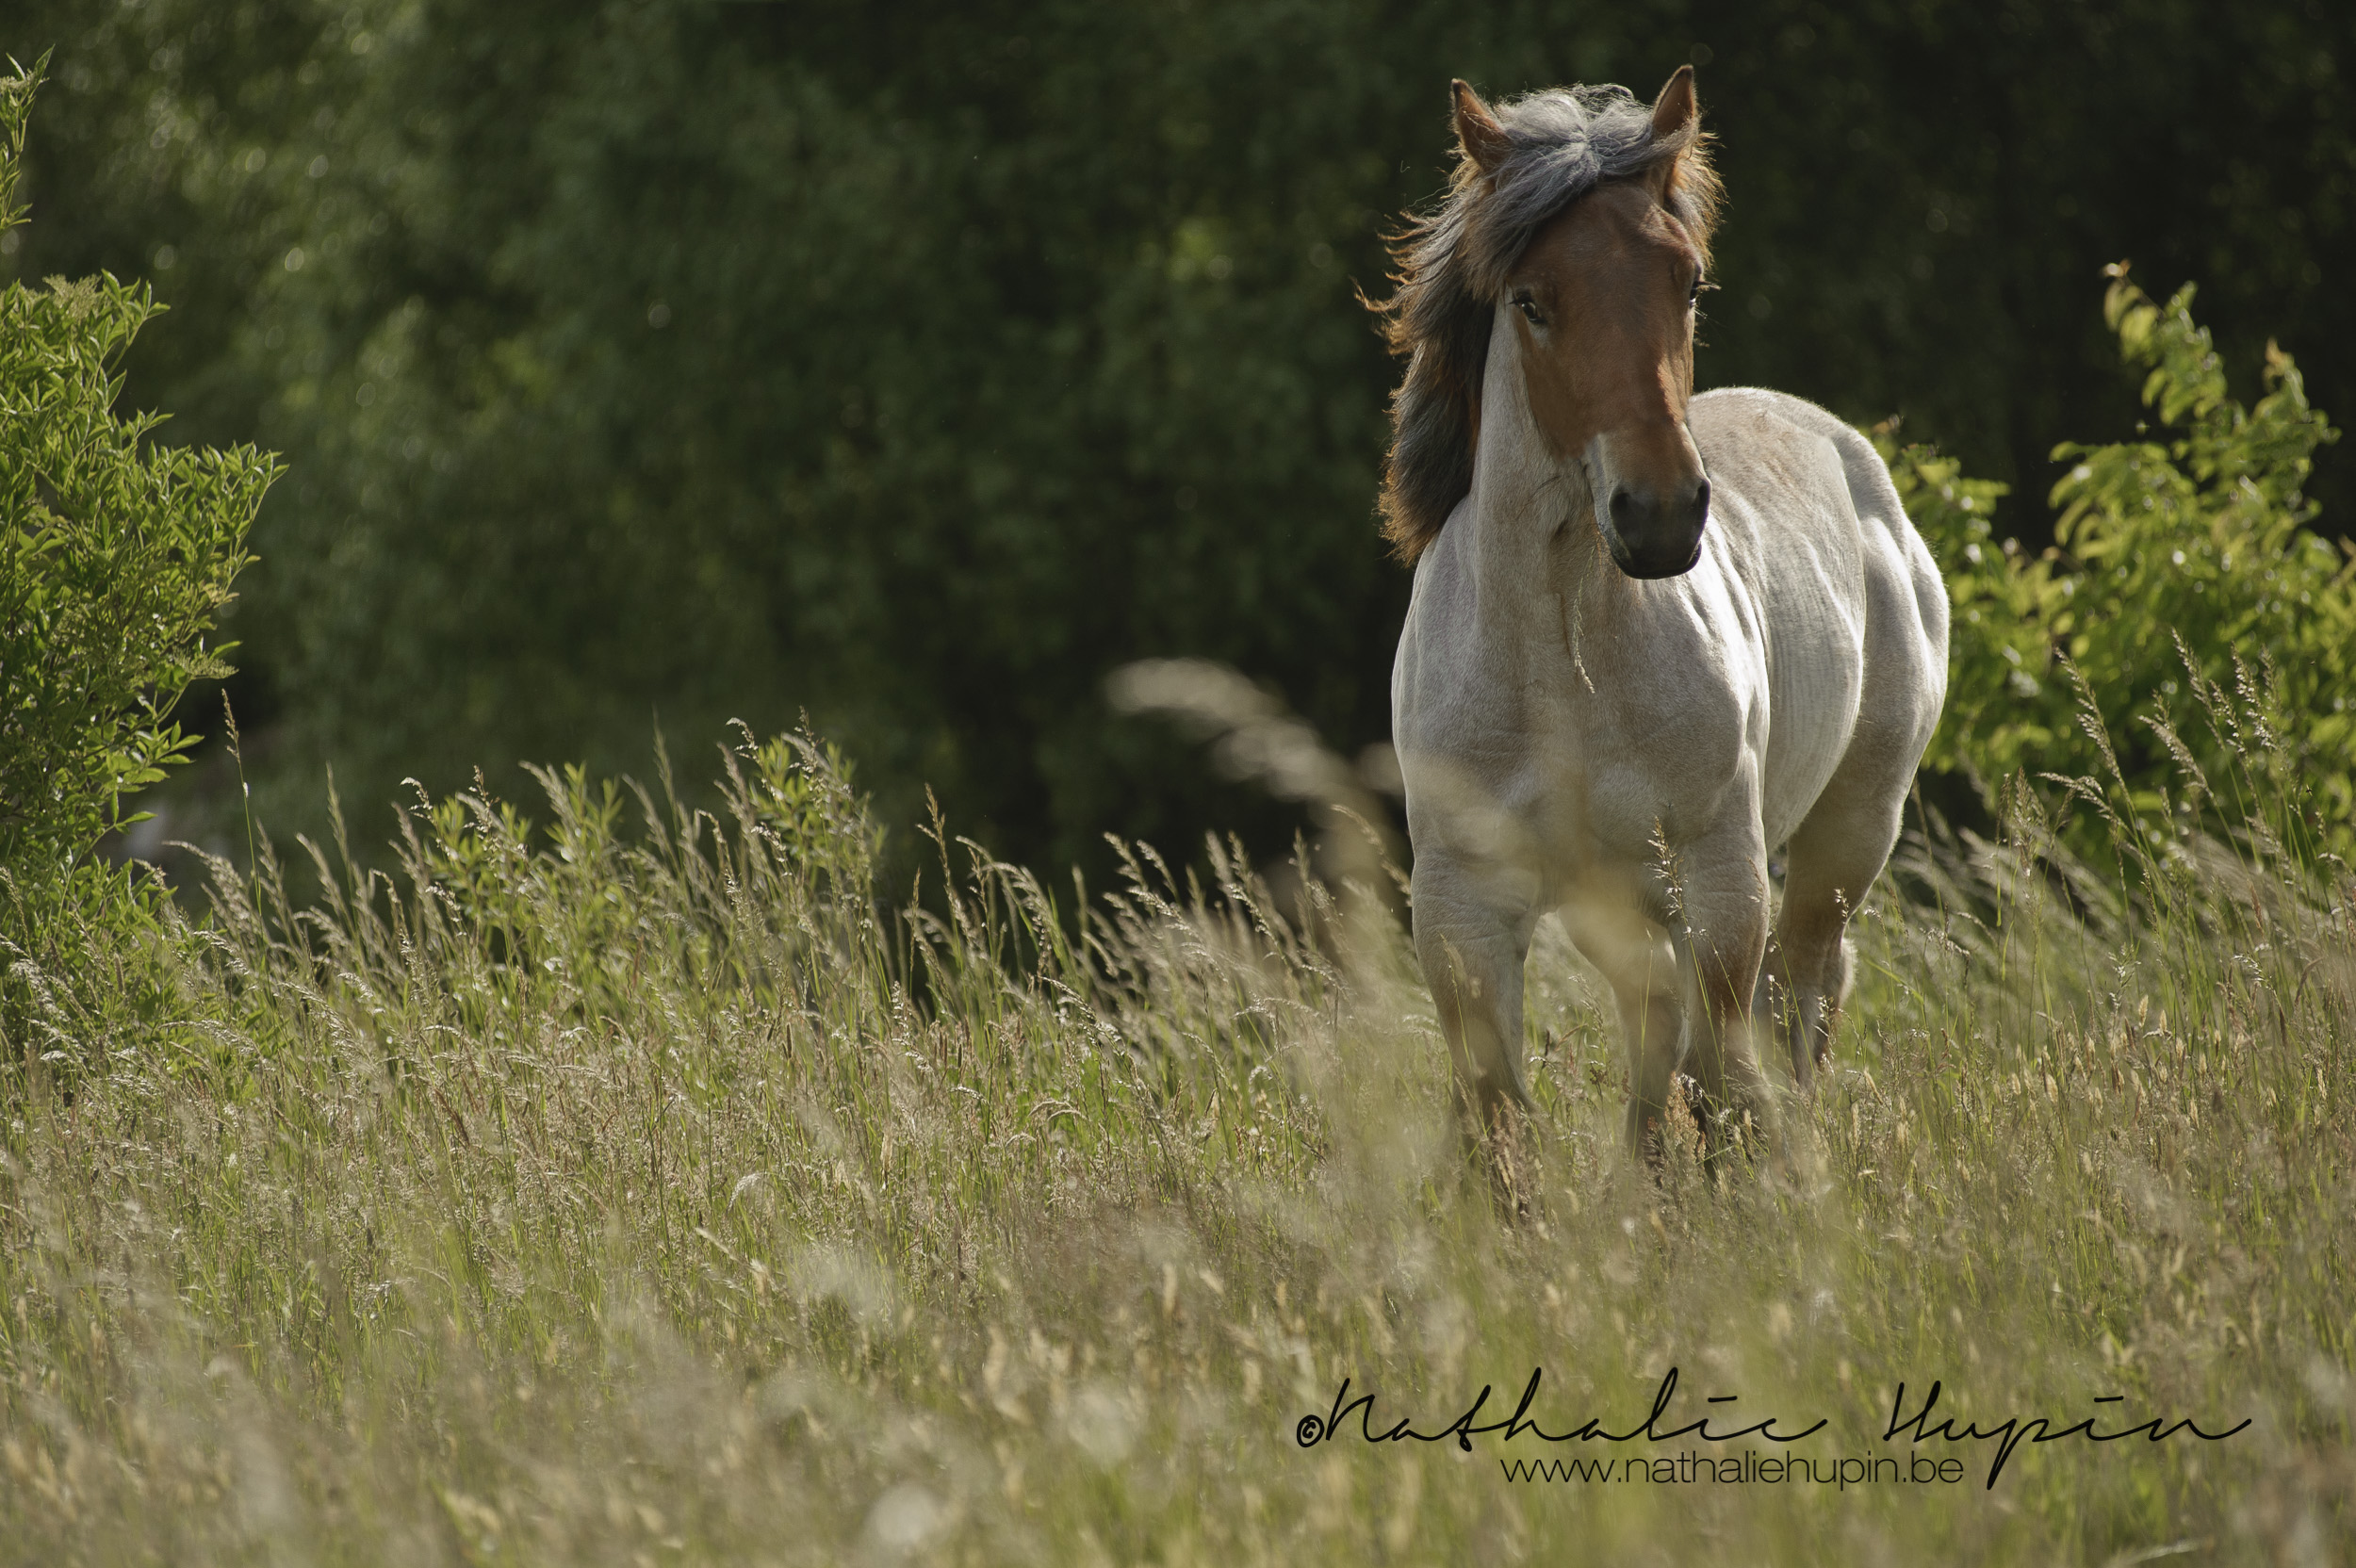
1701, 499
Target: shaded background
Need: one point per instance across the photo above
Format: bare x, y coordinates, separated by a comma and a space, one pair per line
912, 366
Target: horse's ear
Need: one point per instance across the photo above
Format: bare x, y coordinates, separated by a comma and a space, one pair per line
1477, 131
1677, 108
1676, 121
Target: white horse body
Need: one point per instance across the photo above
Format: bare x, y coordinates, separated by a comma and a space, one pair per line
1628, 751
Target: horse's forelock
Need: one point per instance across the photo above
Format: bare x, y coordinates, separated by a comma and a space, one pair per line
1562, 142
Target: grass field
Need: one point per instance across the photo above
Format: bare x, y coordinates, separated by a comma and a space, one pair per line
636, 1189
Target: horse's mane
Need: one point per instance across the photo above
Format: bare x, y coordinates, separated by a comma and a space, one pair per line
1562, 142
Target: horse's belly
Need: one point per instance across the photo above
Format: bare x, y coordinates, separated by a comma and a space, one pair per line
1813, 715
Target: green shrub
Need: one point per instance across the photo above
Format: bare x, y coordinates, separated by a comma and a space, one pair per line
2181, 569
115, 555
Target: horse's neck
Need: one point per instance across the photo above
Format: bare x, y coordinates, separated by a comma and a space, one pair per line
1532, 515
1531, 532
1545, 583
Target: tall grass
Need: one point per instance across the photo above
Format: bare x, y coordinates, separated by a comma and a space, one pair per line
660, 1195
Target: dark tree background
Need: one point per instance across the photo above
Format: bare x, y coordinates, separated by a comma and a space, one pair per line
914, 365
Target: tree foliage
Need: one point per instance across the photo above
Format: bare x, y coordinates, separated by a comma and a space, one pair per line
2182, 571
115, 554
915, 368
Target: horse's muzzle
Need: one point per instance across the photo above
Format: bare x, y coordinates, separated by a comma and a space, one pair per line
1655, 536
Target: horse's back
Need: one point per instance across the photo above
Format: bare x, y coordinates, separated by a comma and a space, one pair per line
1835, 559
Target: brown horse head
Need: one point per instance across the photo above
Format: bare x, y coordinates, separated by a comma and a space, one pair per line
1586, 220
1602, 302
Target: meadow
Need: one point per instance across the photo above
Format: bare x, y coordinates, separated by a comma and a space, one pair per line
651, 1176
623, 1184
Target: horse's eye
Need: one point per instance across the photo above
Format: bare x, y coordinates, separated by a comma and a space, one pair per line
1528, 307
1694, 296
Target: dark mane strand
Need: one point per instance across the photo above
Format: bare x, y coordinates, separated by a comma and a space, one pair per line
1452, 263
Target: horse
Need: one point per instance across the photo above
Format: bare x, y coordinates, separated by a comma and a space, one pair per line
1651, 637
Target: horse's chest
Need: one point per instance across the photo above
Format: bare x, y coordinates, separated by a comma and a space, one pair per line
1579, 740
1660, 768
1584, 780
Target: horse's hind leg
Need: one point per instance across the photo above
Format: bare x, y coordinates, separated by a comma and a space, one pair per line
1725, 916
1830, 863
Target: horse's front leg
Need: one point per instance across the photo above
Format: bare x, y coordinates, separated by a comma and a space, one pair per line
1723, 902
1472, 936
1634, 954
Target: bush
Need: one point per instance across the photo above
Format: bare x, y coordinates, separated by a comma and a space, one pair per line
115, 556
2181, 569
